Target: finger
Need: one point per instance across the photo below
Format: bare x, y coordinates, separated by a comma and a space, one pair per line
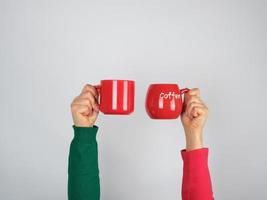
191, 106
82, 101
91, 98
82, 109
192, 99
194, 92
90, 88
198, 111
192, 95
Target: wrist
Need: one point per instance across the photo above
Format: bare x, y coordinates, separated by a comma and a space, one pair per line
194, 140
84, 125
194, 144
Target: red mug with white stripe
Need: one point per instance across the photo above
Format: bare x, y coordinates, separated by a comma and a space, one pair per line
164, 101
116, 96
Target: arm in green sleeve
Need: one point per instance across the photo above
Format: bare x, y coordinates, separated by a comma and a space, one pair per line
83, 172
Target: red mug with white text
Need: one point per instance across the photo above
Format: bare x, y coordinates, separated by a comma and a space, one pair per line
116, 96
164, 101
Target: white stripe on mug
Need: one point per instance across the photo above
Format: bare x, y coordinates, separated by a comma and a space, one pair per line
125, 95
114, 95
172, 104
161, 103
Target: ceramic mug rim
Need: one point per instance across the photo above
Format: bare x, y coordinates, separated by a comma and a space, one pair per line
128, 80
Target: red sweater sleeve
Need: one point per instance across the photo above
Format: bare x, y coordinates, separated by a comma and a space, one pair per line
196, 177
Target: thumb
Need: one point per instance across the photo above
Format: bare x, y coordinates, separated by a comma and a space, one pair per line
95, 114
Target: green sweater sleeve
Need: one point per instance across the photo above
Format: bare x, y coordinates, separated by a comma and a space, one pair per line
83, 172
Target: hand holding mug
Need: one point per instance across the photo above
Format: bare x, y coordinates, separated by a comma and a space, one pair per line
84, 108
164, 101
193, 118
115, 97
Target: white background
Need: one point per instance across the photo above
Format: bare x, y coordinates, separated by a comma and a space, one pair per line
50, 49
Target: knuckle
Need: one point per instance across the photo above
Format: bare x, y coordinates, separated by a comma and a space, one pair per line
88, 85
72, 104
195, 91
86, 94
76, 98
91, 88
193, 98
73, 107
191, 104
191, 92
87, 101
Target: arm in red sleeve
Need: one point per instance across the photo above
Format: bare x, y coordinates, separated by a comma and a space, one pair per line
196, 177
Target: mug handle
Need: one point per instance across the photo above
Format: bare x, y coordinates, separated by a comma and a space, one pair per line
98, 88
184, 90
